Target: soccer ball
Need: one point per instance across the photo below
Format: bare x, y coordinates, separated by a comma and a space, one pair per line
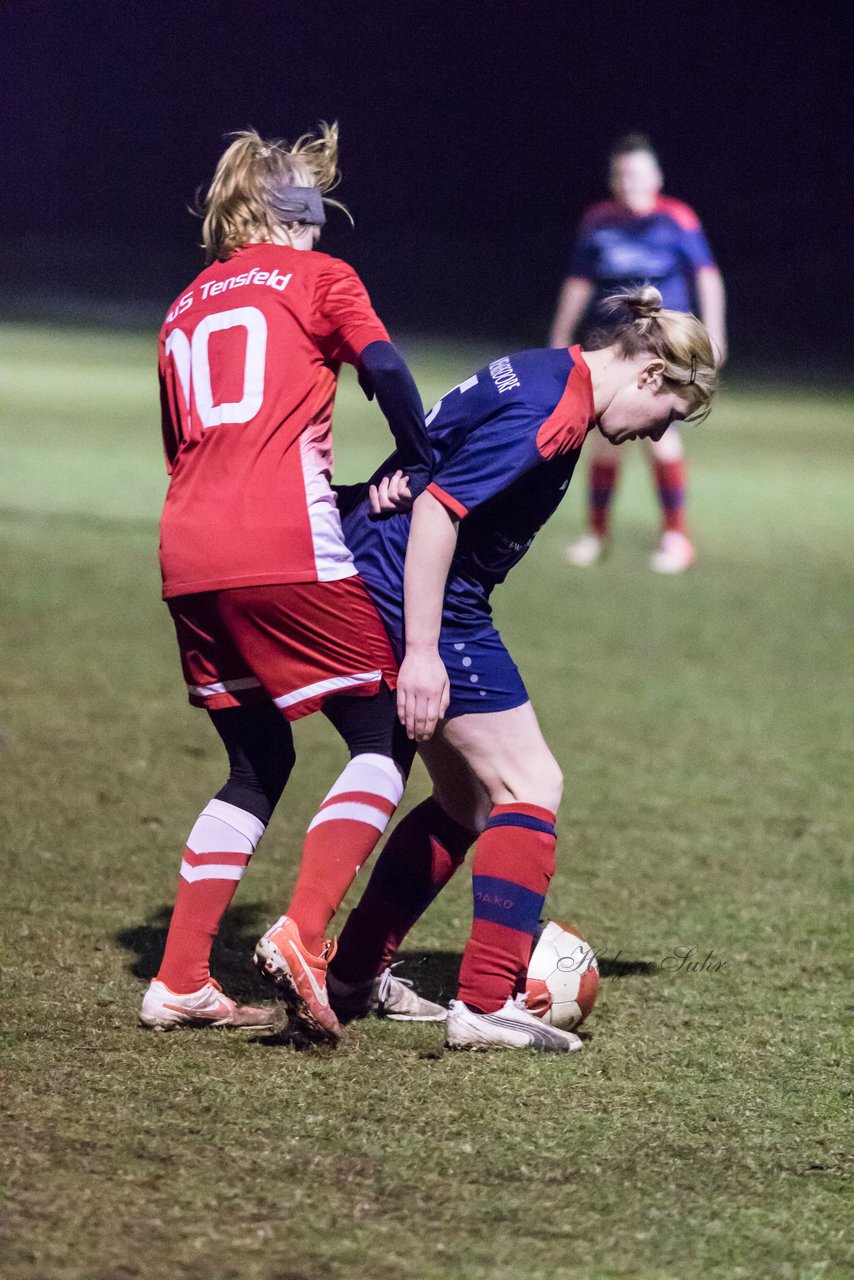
563, 977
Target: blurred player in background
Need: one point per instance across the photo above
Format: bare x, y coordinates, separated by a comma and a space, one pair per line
271, 617
639, 236
505, 444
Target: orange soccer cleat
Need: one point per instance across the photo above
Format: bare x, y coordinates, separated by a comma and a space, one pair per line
283, 958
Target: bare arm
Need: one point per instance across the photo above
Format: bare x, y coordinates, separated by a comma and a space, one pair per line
712, 299
573, 301
422, 687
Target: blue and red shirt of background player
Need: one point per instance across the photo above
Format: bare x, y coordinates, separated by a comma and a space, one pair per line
616, 249
505, 443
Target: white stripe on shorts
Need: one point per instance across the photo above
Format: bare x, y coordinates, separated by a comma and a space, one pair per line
224, 686
332, 685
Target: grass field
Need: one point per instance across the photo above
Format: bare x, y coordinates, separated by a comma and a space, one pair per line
701, 723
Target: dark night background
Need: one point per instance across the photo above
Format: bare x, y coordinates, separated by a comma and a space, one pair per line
472, 137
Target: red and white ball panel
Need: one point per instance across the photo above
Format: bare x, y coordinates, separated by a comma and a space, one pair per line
563, 976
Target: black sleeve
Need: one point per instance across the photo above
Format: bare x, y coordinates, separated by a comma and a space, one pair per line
382, 373
348, 496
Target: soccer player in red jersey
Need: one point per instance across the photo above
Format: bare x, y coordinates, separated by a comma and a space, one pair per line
272, 620
640, 236
506, 442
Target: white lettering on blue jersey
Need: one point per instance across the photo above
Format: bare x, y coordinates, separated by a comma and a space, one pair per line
503, 375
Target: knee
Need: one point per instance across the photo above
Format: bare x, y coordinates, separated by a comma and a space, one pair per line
548, 787
538, 782
256, 786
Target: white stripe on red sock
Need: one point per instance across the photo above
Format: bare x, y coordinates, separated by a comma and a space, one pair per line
369, 790
221, 843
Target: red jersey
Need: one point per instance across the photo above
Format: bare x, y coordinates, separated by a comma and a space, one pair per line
249, 357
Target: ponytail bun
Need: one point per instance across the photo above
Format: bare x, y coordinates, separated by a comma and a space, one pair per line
645, 302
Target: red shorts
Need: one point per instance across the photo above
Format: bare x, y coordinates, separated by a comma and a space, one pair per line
296, 643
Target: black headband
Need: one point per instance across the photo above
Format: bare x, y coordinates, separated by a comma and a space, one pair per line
298, 204
693, 370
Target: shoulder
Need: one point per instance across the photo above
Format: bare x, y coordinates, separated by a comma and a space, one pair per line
600, 213
573, 414
324, 266
682, 214
183, 302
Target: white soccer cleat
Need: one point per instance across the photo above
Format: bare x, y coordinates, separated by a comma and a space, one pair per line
511, 1027
165, 1010
675, 553
587, 551
386, 996
397, 999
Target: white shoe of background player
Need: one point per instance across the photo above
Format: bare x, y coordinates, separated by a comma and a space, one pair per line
511, 1027
588, 550
675, 553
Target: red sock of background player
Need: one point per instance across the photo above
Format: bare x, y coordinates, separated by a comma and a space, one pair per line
217, 854
513, 863
419, 858
603, 480
340, 840
670, 483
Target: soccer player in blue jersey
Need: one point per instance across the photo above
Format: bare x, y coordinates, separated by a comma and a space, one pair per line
639, 236
505, 444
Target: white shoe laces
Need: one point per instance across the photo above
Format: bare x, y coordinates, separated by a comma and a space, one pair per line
387, 977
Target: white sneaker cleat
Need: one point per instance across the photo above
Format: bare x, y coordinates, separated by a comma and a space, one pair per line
511, 1027
165, 1010
675, 553
385, 996
397, 999
587, 551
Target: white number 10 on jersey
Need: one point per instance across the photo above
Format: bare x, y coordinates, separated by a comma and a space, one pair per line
192, 365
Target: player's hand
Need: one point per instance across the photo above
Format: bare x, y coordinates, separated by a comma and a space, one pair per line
423, 693
391, 494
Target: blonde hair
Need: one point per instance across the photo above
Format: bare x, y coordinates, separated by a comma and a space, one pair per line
239, 208
676, 337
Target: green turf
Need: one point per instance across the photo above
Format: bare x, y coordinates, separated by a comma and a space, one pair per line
701, 723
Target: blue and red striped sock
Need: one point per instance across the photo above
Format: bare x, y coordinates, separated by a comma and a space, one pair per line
602, 482
514, 861
670, 483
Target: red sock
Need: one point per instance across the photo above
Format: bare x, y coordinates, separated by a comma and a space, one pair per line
340, 840
670, 482
217, 854
603, 480
513, 863
419, 858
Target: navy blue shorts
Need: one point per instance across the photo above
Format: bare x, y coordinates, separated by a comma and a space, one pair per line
482, 674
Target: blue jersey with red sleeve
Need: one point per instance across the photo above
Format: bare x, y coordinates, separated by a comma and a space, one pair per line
505, 443
617, 249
